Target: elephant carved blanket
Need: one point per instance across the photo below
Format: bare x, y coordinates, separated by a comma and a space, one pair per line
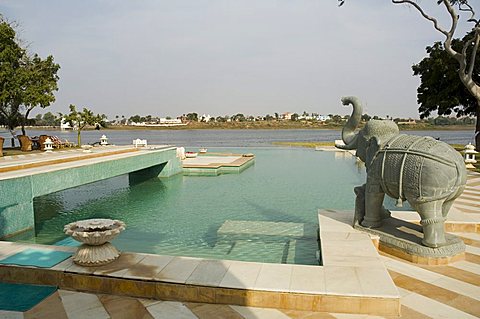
417, 168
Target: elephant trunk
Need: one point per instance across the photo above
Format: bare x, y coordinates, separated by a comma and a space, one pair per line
348, 133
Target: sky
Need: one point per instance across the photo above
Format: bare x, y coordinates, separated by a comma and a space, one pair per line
223, 57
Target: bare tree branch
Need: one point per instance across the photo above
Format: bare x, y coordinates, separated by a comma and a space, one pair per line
448, 41
422, 12
468, 8
474, 54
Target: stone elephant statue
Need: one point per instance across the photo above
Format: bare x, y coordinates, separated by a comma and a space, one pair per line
427, 173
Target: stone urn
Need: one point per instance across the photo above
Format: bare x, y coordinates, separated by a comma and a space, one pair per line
95, 234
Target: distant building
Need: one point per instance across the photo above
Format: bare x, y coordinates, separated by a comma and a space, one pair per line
323, 118
286, 116
170, 121
204, 118
65, 125
409, 122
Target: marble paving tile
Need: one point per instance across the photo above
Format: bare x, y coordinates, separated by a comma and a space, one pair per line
119, 307
432, 308
344, 236
342, 280
472, 250
241, 275
436, 279
363, 248
274, 277
170, 310
8, 249
178, 270
50, 307
11, 314
148, 267
82, 305
410, 270
208, 273
119, 267
209, 311
308, 279
467, 266
376, 282
259, 313
64, 265
148, 302
360, 261
459, 287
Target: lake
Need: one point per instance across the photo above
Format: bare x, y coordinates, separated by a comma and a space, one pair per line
231, 138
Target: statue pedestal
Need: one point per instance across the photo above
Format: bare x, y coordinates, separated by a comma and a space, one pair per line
404, 240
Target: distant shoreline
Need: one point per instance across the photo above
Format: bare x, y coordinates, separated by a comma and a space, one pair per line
283, 125
279, 126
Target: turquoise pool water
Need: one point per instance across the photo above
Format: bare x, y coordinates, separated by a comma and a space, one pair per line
184, 215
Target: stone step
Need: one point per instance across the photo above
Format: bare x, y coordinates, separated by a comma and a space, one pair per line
242, 229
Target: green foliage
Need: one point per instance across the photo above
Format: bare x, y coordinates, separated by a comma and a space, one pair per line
239, 117
192, 116
136, 119
366, 117
48, 119
25, 81
80, 120
441, 89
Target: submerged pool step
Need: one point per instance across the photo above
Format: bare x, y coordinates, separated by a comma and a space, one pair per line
295, 251
244, 229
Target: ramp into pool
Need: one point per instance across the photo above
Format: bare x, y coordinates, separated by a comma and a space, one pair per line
24, 177
213, 164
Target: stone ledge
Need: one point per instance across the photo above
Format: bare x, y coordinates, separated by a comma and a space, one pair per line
205, 294
294, 287
352, 260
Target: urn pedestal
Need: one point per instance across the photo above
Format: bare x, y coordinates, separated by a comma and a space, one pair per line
95, 234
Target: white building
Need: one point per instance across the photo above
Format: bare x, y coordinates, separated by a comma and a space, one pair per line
169, 121
323, 118
204, 118
65, 125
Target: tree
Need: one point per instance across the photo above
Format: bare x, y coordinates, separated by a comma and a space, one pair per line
294, 117
192, 116
50, 119
440, 87
25, 81
366, 117
466, 56
238, 117
81, 120
135, 118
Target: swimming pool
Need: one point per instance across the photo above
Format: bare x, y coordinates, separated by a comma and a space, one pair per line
268, 213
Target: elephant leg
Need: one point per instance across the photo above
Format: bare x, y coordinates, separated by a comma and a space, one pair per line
374, 211
432, 223
446, 207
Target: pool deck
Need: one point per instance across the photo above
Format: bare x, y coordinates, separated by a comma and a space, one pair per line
36, 163
355, 278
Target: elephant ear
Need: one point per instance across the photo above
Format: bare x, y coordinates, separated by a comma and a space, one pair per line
374, 144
